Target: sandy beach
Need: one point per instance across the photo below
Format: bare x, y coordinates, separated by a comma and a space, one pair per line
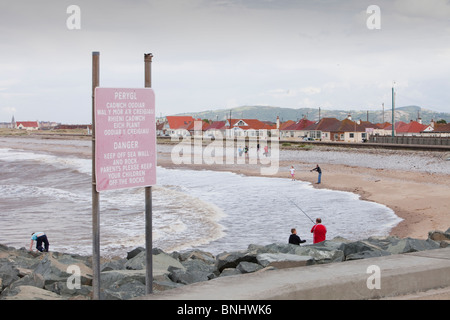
415, 185
419, 197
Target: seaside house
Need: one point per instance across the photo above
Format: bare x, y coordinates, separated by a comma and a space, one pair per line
332, 129
381, 129
247, 128
196, 127
215, 129
362, 133
340, 131
388, 129
48, 125
177, 125
350, 131
27, 125
413, 128
321, 130
295, 130
439, 131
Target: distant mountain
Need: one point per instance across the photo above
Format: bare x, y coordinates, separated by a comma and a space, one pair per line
265, 113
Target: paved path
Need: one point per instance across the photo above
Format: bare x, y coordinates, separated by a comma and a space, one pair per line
408, 276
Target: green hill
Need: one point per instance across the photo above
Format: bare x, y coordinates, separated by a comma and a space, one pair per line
265, 113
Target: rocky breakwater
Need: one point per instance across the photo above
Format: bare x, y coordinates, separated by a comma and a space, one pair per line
26, 275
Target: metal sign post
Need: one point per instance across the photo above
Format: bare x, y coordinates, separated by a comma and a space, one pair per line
95, 194
148, 200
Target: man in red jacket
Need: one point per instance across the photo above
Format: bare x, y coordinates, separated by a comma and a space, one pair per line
319, 231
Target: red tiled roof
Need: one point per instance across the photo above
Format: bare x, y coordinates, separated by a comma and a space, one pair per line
216, 125
300, 125
325, 124
177, 122
191, 126
398, 124
442, 127
335, 125
285, 125
348, 125
413, 126
251, 124
383, 125
28, 124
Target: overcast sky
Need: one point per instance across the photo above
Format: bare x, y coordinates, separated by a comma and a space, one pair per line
214, 54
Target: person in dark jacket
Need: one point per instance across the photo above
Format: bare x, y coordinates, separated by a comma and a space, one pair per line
319, 171
294, 238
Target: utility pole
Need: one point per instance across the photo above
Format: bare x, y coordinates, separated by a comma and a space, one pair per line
393, 111
230, 125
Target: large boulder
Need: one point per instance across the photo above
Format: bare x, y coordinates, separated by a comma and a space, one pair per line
284, 260
113, 264
321, 255
29, 293
161, 263
82, 292
248, 267
58, 267
8, 273
197, 255
229, 272
108, 278
406, 245
133, 253
34, 279
324, 252
363, 249
443, 238
124, 290
194, 271
232, 259
116, 284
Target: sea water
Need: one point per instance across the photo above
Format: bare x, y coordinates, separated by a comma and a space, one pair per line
210, 210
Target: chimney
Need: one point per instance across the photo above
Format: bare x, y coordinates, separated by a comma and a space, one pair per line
432, 124
278, 122
349, 117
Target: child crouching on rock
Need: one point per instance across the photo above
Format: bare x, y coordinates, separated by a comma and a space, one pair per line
39, 237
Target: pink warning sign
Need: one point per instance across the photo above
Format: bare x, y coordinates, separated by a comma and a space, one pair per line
125, 145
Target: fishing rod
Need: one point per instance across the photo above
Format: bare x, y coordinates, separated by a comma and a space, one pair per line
301, 210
